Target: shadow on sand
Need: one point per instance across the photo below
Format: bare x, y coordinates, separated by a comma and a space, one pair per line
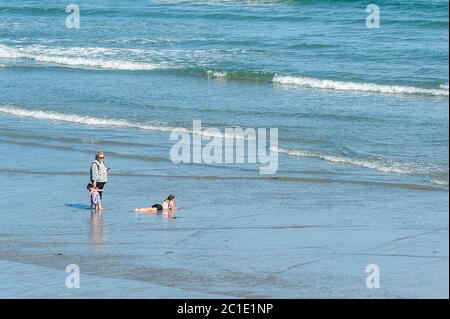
78, 206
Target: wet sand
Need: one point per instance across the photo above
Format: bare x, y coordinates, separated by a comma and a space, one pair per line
315, 247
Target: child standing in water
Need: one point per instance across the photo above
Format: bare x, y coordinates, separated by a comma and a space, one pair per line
95, 197
167, 205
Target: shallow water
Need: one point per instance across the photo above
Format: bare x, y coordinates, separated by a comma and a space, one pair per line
362, 116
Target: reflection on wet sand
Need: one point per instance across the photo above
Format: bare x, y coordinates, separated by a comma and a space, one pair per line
168, 216
98, 240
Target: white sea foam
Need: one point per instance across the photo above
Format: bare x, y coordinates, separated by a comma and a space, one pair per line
96, 63
354, 86
53, 56
72, 118
379, 165
95, 121
440, 182
217, 74
9, 53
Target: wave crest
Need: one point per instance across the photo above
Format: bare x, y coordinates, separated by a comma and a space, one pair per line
378, 164
354, 86
95, 121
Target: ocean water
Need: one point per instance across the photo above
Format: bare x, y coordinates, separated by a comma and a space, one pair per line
363, 149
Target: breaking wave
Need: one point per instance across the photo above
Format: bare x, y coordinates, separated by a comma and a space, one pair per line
95, 121
118, 59
378, 164
360, 87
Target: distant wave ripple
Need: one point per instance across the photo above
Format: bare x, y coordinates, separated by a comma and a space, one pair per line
239, 178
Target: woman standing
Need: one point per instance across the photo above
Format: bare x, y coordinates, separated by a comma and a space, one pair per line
99, 173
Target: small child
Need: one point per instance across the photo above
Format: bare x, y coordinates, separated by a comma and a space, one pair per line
95, 198
167, 205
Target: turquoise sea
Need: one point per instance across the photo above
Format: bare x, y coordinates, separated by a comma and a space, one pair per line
363, 122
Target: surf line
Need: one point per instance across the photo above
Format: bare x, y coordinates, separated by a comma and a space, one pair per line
234, 146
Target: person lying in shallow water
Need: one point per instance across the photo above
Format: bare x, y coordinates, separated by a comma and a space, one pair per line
167, 205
